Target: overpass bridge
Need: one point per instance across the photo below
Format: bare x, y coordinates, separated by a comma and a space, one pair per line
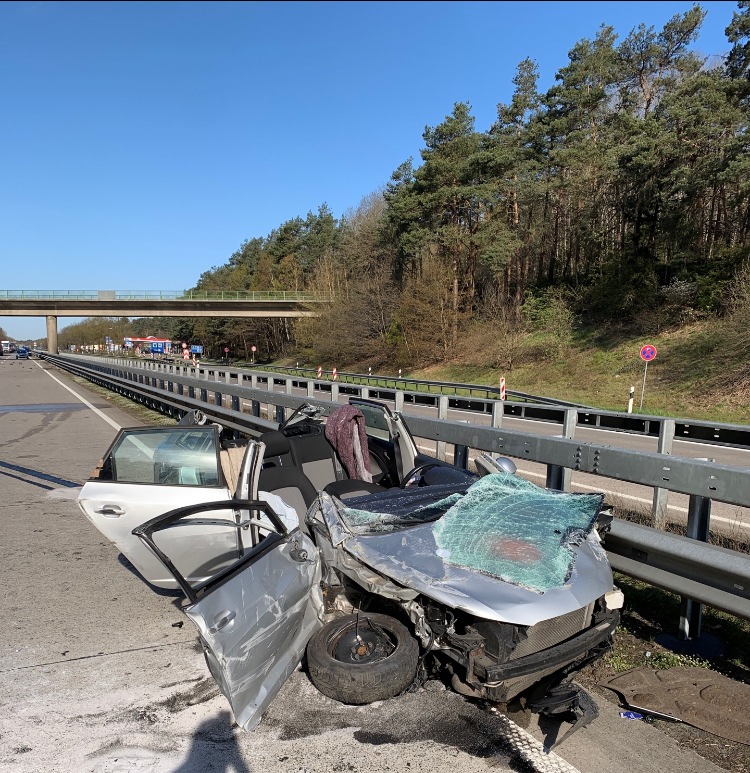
111, 303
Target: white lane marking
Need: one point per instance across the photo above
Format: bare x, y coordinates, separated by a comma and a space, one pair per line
82, 399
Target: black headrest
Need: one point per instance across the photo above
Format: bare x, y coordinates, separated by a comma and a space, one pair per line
276, 443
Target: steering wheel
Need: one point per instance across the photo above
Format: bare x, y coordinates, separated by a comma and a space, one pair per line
412, 475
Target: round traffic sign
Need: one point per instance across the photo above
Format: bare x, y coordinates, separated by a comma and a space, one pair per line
226, 349
253, 348
648, 352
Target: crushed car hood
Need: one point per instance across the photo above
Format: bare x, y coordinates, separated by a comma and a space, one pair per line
501, 549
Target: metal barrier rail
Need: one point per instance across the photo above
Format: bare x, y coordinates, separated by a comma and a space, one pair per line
699, 572
530, 407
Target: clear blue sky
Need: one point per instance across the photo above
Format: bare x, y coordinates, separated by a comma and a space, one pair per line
142, 143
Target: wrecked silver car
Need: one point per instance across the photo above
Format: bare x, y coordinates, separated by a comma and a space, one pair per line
340, 542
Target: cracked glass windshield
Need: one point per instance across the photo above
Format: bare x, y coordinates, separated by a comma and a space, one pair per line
501, 525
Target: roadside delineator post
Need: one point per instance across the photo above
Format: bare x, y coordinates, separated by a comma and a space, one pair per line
335, 375
630, 399
502, 387
320, 371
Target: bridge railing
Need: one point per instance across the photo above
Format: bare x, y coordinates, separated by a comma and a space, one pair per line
709, 574
165, 295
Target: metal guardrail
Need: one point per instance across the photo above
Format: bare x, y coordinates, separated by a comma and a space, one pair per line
693, 569
482, 398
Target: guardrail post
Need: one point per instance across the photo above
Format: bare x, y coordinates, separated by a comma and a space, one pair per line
334, 392
698, 525
364, 393
497, 413
254, 381
228, 376
558, 477
256, 409
236, 403
661, 495
399, 400
288, 385
310, 388
280, 413
218, 399
461, 453
442, 414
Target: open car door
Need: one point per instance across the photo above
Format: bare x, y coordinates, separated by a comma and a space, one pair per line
387, 432
148, 471
257, 611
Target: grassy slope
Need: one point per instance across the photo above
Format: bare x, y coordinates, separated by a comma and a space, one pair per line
690, 378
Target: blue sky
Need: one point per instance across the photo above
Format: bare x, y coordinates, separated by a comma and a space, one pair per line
142, 143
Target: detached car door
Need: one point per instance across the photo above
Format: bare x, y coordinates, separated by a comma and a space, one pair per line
255, 614
146, 472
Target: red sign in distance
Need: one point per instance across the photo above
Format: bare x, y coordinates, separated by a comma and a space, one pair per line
648, 352
226, 349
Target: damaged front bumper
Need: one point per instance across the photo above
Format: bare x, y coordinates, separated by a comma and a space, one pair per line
501, 682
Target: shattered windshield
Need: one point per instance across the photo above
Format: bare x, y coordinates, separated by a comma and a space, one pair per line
501, 525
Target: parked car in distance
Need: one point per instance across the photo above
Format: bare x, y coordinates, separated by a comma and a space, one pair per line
22, 353
283, 548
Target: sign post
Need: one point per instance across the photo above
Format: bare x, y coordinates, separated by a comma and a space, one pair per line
648, 353
253, 349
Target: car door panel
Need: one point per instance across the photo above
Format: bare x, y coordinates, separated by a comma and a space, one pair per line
269, 619
146, 472
116, 509
257, 614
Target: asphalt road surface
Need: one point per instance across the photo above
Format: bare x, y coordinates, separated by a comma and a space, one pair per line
98, 673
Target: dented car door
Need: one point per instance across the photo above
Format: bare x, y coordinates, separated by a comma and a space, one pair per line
254, 615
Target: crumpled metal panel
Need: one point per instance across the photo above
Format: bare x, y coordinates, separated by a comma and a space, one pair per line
414, 557
275, 605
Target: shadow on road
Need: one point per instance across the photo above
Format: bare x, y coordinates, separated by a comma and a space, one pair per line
214, 748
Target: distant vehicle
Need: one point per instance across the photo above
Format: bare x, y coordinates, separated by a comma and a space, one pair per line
6, 347
22, 353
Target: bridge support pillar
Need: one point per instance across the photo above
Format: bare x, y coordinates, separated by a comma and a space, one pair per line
52, 335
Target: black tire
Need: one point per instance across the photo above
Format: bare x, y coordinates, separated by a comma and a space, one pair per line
380, 664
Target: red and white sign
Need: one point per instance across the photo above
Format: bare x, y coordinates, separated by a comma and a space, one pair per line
253, 348
185, 354
648, 352
226, 350
502, 388
335, 375
320, 371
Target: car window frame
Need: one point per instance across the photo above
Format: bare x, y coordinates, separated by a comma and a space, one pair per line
108, 461
145, 532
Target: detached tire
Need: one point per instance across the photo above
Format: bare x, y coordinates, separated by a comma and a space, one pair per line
362, 658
